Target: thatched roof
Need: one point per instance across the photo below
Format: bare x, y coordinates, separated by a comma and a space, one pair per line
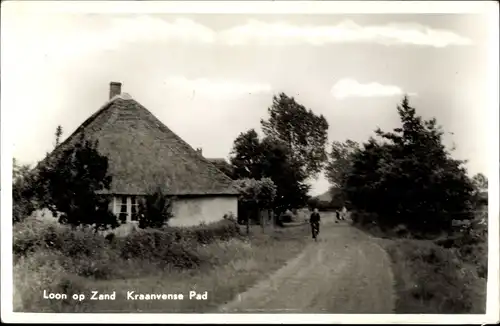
143, 153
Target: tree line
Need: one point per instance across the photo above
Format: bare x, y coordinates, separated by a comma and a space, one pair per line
405, 176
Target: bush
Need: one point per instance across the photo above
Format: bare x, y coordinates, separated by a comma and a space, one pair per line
79, 251
27, 237
159, 247
176, 246
21, 208
470, 241
82, 252
222, 230
155, 210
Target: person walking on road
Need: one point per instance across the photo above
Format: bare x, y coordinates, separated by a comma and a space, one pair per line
314, 220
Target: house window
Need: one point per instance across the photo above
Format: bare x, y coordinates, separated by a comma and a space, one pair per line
134, 208
122, 213
126, 208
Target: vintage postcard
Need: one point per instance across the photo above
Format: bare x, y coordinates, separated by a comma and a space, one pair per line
250, 162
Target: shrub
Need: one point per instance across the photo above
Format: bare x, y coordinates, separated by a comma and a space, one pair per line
82, 252
176, 246
27, 237
470, 241
159, 247
79, 243
21, 207
79, 251
155, 210
221, 230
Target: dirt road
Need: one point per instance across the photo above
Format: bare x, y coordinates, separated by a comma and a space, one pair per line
344, 272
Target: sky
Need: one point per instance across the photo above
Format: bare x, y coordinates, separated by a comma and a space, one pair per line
209, 77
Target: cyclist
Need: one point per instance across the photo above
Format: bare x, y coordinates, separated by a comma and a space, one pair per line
314, 220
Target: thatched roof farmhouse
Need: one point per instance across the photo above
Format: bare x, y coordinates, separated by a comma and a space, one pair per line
143, 153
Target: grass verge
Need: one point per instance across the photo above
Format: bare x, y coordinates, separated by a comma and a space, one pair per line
432, 279
223, 269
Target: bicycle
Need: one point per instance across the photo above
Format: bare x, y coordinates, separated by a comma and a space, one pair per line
315, 231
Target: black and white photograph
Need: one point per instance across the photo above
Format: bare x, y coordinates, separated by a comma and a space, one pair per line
252, 161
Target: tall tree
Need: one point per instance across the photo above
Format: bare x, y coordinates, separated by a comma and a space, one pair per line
337, 169
409, 177
246, 155
69, 183
278, 164
340, 161
301, 131
256, 159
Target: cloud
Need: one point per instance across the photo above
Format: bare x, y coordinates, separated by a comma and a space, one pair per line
346, 88
255, 31
216, 88
150, 28
61, 37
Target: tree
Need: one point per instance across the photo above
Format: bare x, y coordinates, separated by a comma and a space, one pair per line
277, 163
58, 135
23, 194
338, 168
224, 167
155, 210
480, 182
300, 130
69, 184
255, 196
256, 159
340, 162
408, 177
246, 155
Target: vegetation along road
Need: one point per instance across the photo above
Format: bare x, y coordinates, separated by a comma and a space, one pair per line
344, 272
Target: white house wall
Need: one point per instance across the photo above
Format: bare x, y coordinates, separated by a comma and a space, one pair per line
197, 210
187, 212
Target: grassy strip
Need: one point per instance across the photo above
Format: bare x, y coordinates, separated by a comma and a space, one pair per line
226, 268
432, 279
